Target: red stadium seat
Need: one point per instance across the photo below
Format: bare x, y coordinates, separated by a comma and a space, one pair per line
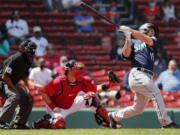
98, 73
39, 104
82, 57
92, 47
123, 92
104, 57
125, 98
37, 98
176, 94
115, 87
168, 98
102, 78
120, 73
93, 67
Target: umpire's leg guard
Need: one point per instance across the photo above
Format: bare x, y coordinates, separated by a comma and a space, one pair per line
25, 107
8, 109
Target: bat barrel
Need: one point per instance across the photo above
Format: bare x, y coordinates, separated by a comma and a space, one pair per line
86, 6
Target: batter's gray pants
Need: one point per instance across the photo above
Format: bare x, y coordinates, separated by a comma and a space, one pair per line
22, 103
142, 85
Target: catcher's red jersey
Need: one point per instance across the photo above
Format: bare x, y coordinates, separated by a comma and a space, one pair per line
63, 93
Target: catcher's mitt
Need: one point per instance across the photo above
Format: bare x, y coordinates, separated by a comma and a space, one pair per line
113, 77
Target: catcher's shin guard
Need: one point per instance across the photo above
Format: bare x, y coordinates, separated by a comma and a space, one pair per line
101, 117
101, 114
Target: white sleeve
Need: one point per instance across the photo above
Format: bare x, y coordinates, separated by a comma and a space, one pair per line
46, 42
32, 75
7, 24
26, 28
50, 75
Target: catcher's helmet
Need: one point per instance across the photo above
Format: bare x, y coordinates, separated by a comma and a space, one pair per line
78, 68
28, 47
146, 27
75, 64
71, 64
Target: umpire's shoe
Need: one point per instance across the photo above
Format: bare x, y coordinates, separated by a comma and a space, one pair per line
114, 124
4, 125
172, 125
19, 126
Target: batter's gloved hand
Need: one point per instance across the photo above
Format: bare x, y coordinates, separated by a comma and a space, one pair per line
113, 78
124, 28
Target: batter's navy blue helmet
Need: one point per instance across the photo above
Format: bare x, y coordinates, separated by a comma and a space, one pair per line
144, 28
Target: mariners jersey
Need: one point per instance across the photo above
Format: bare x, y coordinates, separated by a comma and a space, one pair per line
143, 55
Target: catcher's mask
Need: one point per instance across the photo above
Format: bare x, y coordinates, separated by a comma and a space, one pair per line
77, 68
28, 47
145, 28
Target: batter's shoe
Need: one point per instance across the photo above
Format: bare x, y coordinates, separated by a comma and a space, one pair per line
4, 125
113, 123
172, 125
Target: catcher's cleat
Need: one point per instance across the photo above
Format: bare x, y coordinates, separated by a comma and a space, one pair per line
172, 125
42, 123
59, 124
113, 123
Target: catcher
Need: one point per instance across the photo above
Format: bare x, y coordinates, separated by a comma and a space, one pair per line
69, 93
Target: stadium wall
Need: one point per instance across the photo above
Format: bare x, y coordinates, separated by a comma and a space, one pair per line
85, 119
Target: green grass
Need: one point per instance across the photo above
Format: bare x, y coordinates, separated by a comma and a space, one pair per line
93, 132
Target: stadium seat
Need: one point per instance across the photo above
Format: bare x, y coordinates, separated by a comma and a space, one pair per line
120, 73
168, 98
125, 98
98, 73
117, 87
102, 78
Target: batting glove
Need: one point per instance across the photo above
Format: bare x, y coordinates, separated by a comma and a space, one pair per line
124, 28
128, 35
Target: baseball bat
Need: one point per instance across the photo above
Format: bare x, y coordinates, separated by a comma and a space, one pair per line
90, 8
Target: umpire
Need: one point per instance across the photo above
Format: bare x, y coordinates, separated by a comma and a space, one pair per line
14, 69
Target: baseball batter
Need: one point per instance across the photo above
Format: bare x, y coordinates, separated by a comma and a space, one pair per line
141, 51
69, 93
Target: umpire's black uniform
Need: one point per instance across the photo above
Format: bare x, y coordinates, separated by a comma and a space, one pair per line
16, 68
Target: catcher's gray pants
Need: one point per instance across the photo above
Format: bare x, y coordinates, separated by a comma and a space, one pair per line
21, 102
142, 85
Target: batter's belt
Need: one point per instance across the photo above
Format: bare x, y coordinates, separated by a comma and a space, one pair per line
145, 70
